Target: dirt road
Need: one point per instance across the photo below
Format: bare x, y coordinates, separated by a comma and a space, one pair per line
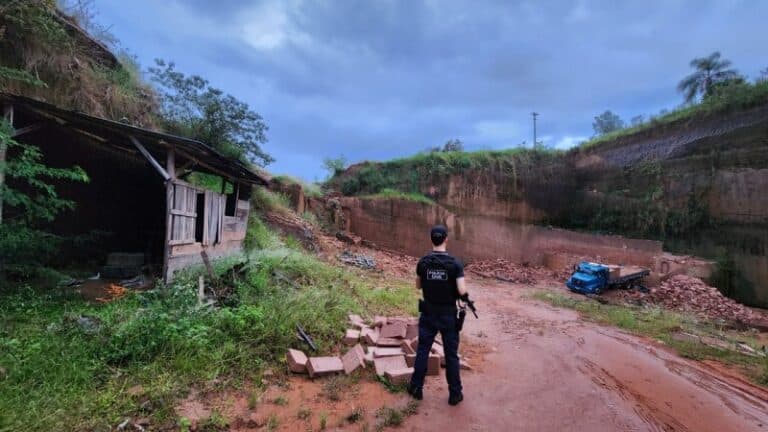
551, 371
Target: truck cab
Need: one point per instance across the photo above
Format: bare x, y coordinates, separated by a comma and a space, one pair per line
589, 278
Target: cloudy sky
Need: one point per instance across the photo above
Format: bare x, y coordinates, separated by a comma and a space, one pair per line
381, 79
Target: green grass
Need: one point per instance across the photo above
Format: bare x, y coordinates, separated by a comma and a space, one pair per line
56, 375
266, 200
310, 189
411, 174
388, 193
662, 325
732, 98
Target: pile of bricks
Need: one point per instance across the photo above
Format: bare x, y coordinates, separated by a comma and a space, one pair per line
506, 271
690, 294
388, 344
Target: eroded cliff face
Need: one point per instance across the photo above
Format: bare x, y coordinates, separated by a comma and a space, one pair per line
700, 186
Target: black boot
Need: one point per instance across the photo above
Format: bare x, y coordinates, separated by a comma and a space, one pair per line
454, 399
416, 392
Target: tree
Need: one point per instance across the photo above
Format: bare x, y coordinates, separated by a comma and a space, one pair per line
709, 71
607, 122
637, 120
453, 145
763, 76
191, 107
24, 247
335, 166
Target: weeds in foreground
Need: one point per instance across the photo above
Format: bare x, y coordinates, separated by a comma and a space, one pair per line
393, 417
273, 422
356, 415
335, 386
304, 414
59, 374
280, 400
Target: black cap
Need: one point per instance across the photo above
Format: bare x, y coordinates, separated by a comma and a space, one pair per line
438, 234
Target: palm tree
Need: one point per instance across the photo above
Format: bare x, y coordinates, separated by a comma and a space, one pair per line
710, 71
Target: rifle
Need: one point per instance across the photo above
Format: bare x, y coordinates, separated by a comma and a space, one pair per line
463, 312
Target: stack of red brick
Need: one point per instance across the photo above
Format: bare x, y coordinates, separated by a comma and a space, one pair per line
506, 271
390, 346
690, 294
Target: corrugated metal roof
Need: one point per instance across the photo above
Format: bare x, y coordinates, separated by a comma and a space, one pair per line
118, 133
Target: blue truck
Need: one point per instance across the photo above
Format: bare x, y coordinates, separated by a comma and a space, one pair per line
594, 278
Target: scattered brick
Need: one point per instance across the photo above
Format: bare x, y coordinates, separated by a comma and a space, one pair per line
357, 321
411, 331
410, 359
369, 358
387, 352
388, 342
370, 336
399, 376
320, 366
379, 321
464, 365
383, 364
297, 361
406, 347
396, 329
415, 344
351, 337
353, 359
433, 364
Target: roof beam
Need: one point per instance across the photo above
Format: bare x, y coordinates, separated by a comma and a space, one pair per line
28, 129
149, 158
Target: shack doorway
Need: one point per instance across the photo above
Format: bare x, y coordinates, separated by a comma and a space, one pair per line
121, 209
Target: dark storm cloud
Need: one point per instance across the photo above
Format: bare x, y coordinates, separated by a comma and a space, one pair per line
381, 79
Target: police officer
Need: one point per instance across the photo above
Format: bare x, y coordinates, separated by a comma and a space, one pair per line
441, 278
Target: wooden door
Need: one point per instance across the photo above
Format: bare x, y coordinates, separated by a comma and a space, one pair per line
183, 214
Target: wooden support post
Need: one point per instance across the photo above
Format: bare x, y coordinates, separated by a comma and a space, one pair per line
170, 163
8, 115
168, 230
149, 158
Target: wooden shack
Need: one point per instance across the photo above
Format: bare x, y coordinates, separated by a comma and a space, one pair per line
138, 191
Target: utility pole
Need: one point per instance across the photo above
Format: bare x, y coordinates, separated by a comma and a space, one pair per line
534, 114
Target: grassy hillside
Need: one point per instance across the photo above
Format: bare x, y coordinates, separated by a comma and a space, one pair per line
44, 54
67, 365
409, 175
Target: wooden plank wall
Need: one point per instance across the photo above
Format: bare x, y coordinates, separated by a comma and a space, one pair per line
222, 236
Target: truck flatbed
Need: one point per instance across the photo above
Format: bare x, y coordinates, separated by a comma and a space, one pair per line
594, 278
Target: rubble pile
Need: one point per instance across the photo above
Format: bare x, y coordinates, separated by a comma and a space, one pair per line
690, 294
506, 271
388, 344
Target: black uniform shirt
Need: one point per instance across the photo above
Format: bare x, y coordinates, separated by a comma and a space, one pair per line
438, 272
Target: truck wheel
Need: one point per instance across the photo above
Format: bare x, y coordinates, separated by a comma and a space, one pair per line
598, 291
